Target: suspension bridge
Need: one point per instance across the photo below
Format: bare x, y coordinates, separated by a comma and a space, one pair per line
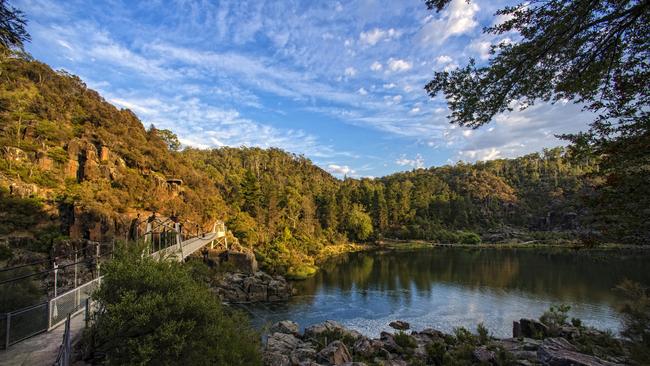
32, 335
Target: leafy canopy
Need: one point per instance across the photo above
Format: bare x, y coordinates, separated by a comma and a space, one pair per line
156, 313
592, 52
12, 27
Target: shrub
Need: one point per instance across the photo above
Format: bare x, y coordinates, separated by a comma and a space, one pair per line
155, 313
467, 237
404, 340
436, 352
483, 333
555, 317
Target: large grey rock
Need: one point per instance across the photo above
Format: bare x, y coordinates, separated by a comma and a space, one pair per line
285, 326
559, 352
389, 343
303, 353
276, 359
258, 287
366, 347
336, 353
282, 343
330, 327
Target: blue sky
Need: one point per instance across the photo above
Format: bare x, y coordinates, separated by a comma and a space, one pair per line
340, 82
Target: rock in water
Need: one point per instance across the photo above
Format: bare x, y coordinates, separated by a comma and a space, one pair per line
399, 325
258, 287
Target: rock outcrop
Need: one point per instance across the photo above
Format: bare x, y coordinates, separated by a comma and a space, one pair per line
257, 287
330, 343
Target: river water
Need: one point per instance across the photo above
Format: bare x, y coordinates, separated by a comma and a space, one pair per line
445, 288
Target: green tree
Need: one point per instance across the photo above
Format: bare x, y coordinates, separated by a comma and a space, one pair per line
12, 27
155, 313
591, 52
167, 136
359, 223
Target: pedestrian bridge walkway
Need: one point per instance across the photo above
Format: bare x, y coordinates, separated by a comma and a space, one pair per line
30, 332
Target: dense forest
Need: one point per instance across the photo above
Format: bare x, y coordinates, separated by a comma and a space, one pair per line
92, 168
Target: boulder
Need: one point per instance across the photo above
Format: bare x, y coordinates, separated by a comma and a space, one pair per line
516, 329
432, 333
388, 340
399, 325
276, 359
366, 347
335, 353
243, 261
559, 352
532, 328
286, 327
304, 353
330, 327
242, 287
282, 343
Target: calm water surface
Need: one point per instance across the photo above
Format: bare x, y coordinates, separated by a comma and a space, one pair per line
451, 287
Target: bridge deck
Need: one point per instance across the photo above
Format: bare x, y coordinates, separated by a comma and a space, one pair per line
189, 246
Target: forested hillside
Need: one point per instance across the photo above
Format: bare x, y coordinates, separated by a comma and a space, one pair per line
73, 165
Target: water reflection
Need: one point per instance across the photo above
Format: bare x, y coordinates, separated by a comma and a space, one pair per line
445, 288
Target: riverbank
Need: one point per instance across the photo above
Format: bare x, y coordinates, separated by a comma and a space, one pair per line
532, 244
331, 251
533, 342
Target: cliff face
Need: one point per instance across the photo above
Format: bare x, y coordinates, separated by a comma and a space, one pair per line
91, 167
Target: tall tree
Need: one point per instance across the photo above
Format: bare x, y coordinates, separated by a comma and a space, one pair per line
12, 27
593, 52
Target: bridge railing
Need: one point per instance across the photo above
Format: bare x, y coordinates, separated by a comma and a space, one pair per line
22, 324
71, 303
65, 350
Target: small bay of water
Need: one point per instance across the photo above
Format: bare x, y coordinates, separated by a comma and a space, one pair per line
444, 288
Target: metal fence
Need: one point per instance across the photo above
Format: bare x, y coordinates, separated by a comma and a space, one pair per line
22, 324
70, 303
65, 350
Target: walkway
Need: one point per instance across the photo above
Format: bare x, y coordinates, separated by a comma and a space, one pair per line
43, 348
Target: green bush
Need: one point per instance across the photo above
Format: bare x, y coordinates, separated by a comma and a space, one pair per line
155, 313
483, 333
468, 237
555, 317
404, 340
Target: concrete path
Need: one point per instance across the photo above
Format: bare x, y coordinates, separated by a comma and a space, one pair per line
43, 348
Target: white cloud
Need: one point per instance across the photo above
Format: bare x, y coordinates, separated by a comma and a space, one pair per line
340, 169
350, 71
389, 86
376, 66
362, 91
443, 59
481, 47
417, 162
375, 35
399, 65
458, 18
